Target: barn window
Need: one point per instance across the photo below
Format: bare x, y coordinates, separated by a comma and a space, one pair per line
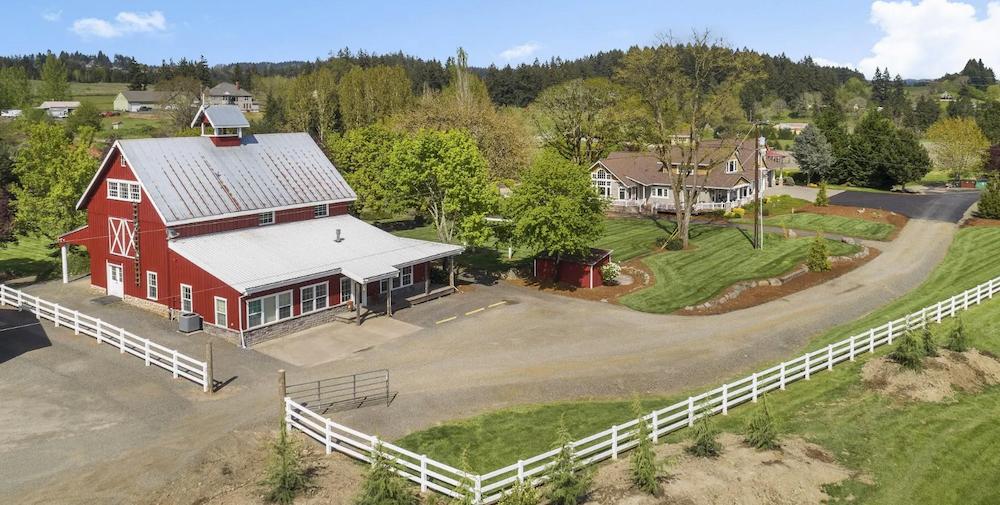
221, 312
152, 286
405, 278
345, 290
187, 299
321, 211
269, 309
265, 218
314, 297
128, 191
121, 159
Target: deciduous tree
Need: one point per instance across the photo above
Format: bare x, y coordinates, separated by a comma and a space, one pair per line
55, 83
368, 95
959, 145
15, 89
576, 118
364, 156
86, 115
813, 153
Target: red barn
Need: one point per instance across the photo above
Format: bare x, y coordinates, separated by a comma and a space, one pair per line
251, 232
579, 271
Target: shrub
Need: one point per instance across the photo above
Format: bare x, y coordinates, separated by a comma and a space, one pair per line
818, 259
383, 487
610, 272
567, 485
928, 343
286, 476
645, 472
466, 484
672, 244
957, 340
989, 202
522, 493
761, 432
909, 352
821, 199
705, 445
736, 212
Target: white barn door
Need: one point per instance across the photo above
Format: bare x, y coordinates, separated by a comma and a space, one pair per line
116, 280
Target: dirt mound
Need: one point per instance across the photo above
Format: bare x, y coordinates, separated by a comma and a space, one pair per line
941, 376
794, 474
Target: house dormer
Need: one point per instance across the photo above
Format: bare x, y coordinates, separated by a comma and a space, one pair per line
223, 124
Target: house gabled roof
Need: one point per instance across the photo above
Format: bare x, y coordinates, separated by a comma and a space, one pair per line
644, 168
276, 255
145, 96
55, 104
189, 179
228, 89
221, 116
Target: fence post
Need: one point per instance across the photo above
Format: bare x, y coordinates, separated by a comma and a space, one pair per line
520, 470
851, 350
690, 411
807, 366
100, 323
76, 323
479, 490
725, 399
173, 364
829, 357
989, 289
209, 369
327, 436
20, 299
954, 306
965, 301
121, 344
281, 391
871, 340
656, 423
781, 378
423, 473
939, 303
753, 387
614, 441
889, 334
146, 348
374, 448
55, 314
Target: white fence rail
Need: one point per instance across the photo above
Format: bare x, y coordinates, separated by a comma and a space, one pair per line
180, 365
610, 443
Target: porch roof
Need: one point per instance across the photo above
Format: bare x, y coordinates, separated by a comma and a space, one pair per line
265, 257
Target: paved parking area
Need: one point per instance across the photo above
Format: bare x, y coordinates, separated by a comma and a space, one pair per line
939, 205
334, 341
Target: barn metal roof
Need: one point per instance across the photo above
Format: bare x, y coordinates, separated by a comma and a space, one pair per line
189, 179
221, 116
277, 255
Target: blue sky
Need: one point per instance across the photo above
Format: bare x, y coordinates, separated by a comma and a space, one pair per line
923, 38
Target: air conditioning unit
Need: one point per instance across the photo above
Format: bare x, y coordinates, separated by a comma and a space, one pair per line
189, 322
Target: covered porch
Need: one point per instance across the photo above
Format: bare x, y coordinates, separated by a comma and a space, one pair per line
372, 297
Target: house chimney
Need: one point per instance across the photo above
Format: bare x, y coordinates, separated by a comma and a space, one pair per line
338, 237
237, 84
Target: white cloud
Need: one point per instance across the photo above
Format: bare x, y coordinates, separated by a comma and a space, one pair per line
519, 52
932, 38
830, 63
51, 15
124, 23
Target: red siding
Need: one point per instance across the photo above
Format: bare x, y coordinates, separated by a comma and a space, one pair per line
570, 272
236, 223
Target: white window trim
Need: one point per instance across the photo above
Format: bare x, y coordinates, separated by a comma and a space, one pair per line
277, 309
215, 311
260, 218
321, 211
125, 196
732, 166
302, 299
151, 275
400, 277
190, 300
350, 290
121, 159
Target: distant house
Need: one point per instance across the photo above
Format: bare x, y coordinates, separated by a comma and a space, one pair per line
946, 97
638, 181
59, 109
226, 93
138, 101
795, 128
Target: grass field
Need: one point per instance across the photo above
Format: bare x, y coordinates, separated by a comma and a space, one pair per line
721, 257
849, 226
915, 453
630, 238
131, 127
491, 258
32, 256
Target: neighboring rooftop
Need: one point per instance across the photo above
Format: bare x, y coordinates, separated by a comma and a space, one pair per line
274, 255
189, 179
644, 168
228, 89
145, 96
56, 104
221, 116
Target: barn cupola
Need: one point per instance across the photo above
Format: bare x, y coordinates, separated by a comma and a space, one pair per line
224, 124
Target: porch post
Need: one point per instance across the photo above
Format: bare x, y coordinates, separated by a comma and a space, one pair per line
427, 278
357, 301
388, 300
65, 265
451, 271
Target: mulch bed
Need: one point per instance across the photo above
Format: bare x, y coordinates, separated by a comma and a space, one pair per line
978, 221
763, 294
608, 294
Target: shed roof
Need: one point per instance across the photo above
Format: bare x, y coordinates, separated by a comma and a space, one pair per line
56, 104
145, 96
228, 89
221, 116
189, 179
277, 255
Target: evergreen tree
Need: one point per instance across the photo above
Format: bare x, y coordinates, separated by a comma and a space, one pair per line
382, 486
704, 443
567, 485
927, 340
988, 119
957, 339
822, 200
909, 352
138, 78
819, 255
813, 153
924, 114
15, 88
989, 202
286, 476
961, 108
522, 493
645, 471
910, 161
761, 431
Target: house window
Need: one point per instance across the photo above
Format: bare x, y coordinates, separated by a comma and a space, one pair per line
405, 278
152, 286
345, 289
383, 285
187, 299
121, 159
221, 312
313, 297
321, 211
621, 193
128, 191
731, 166
269, 309
265, 218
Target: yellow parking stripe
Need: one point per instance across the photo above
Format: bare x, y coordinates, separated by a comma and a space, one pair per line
501, 302
471, 312
452, 318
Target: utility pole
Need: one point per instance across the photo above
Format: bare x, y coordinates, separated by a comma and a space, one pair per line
758, 220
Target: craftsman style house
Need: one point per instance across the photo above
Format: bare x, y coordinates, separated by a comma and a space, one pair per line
251, 232
226, 93
639, 181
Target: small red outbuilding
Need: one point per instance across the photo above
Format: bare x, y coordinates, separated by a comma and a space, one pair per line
579, 271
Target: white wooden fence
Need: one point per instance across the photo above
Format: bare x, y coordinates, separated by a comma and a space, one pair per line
180, 365
610, 443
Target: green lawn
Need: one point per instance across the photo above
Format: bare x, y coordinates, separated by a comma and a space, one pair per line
721, 257
633, 237
131, 127
776, 205
915, 453
849, 226
492, 258
32, 256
